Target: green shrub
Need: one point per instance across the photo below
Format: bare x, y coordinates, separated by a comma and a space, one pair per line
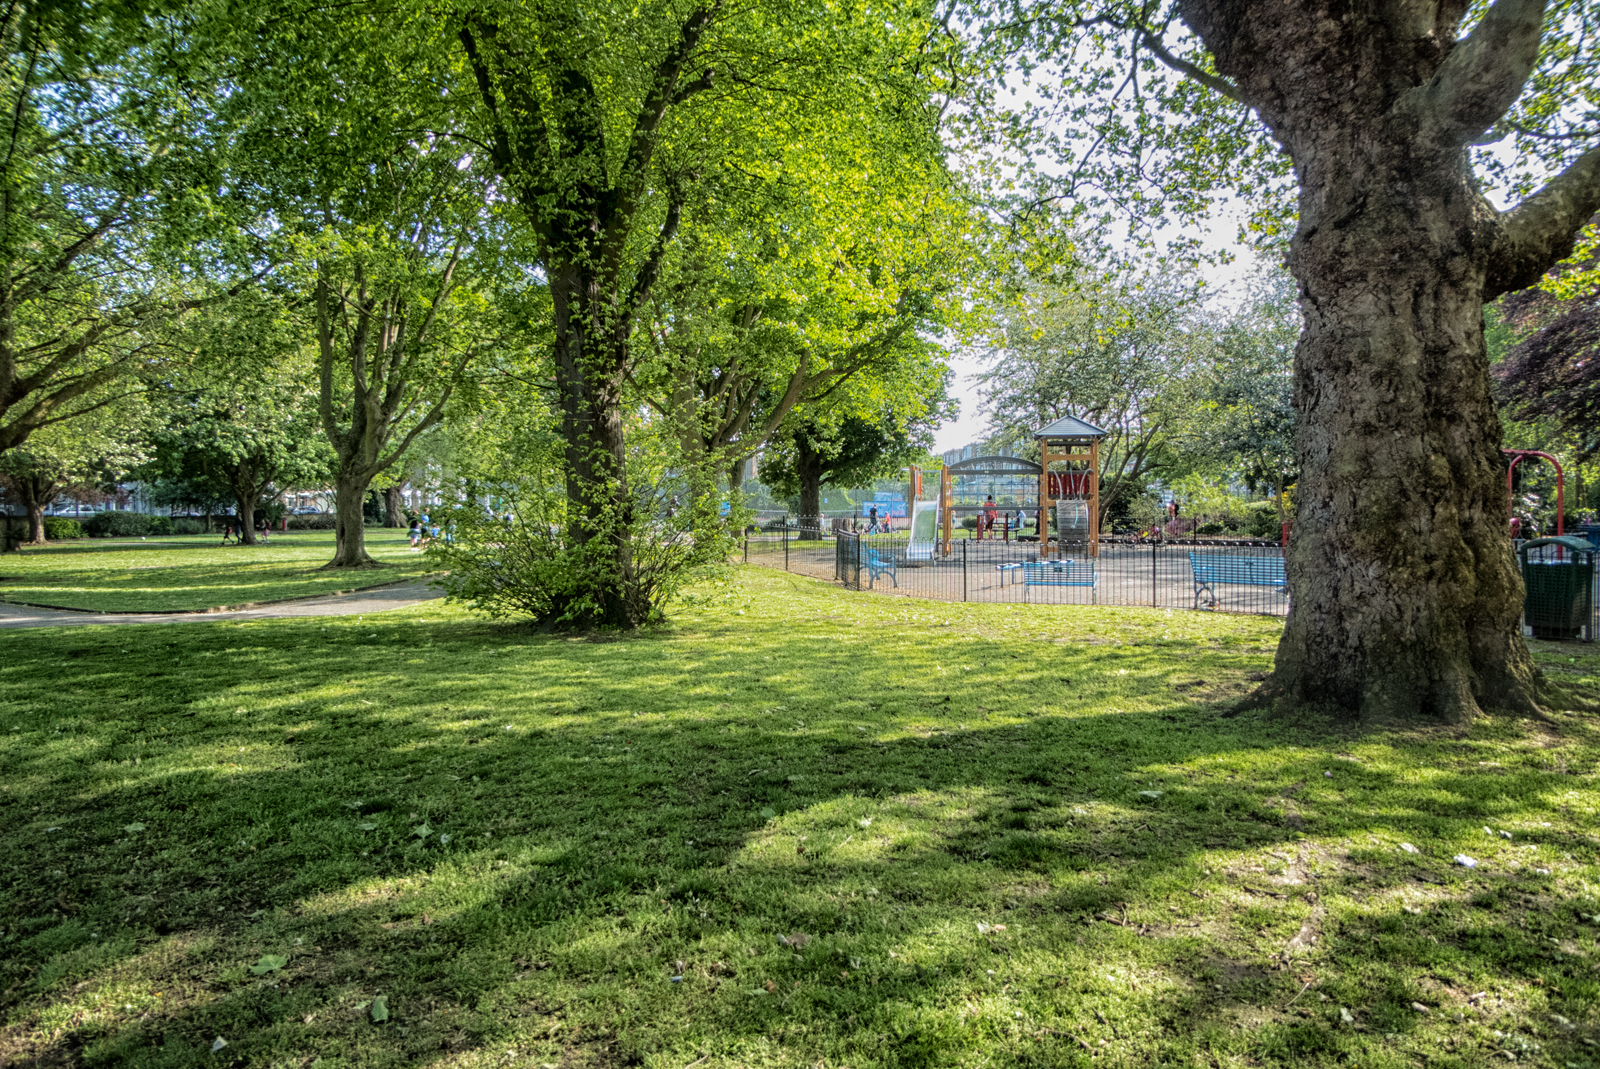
1210, 529
969, 522
126, 525
317, 522
188, 525
1263, 522
58, 527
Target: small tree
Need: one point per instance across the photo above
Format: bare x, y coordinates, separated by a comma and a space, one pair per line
76, 455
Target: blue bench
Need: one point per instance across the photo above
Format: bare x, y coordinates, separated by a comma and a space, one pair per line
1057, 573
1212, 571
1009, 571
880, 564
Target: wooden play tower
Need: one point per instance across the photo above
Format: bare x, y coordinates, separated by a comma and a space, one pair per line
1073, 447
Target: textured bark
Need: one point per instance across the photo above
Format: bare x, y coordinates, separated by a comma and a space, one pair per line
589, 379
246, 530
808, 469
35, 492
1405, 596
394, 505
349, 526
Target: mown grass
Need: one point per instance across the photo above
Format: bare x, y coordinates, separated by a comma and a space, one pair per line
194, 573
1008, 835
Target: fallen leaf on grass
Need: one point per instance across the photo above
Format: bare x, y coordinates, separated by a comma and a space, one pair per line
797, 940
269, 963
771, 987
135, 827
380, 1008
368, 826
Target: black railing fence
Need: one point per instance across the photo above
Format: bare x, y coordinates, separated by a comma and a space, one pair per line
1238, 576
1241, 577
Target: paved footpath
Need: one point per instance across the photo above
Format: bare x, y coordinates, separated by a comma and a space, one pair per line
357, 602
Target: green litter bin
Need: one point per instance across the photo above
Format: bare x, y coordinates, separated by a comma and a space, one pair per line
1559, 576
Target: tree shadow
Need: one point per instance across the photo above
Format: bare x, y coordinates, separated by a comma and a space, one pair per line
354, 801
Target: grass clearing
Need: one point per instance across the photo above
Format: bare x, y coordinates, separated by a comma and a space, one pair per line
989, 835
193, 573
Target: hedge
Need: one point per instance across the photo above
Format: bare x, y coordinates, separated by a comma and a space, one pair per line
126, 525
58, 527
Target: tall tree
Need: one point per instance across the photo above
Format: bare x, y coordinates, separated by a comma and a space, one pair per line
1405, 594
81, 454
249, 440
607, 124
868, 431
1118, 348
104, 179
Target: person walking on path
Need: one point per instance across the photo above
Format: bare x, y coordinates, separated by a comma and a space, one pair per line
227, 532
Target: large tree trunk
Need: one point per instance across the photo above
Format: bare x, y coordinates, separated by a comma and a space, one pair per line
394, 505
35, 522
1405, 596
588, 377
808, 466
350, 532
246, 504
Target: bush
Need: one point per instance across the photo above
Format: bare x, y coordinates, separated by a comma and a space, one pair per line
58, 527
325, 521
188, 525
126, 525
1263, 522
969, 522
1210, 529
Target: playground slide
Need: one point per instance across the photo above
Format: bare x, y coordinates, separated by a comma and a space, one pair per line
924, 530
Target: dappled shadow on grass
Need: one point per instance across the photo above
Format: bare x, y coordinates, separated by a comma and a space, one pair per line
682, 798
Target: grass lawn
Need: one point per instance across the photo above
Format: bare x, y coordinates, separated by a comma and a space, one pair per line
796, 827
194, 572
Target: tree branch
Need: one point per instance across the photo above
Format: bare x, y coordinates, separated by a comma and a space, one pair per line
1538, 233
1215, 83
1483, 75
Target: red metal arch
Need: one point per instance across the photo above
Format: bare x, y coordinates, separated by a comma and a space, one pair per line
1517, 457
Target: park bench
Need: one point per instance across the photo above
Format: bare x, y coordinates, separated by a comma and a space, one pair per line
880, 564
1057, 573
1009, 571
1214, 570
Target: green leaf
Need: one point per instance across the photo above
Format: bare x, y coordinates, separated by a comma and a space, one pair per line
269, 963
135, 827
380, 1008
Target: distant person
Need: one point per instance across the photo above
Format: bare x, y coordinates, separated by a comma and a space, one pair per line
415, 533
872, 520
227, 532
990, 512
265, 531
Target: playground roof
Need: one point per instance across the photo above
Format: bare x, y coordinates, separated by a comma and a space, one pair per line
1069, 427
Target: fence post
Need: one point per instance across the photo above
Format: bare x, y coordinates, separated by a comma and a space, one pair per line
785, 545
1153, 604
747, 549
964, 542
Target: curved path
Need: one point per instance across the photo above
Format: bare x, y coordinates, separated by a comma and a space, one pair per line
356, 602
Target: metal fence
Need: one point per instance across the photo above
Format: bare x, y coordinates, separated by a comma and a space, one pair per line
1238, 576
1245, 577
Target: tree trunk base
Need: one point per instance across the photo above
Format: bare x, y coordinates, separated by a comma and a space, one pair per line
363, 562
